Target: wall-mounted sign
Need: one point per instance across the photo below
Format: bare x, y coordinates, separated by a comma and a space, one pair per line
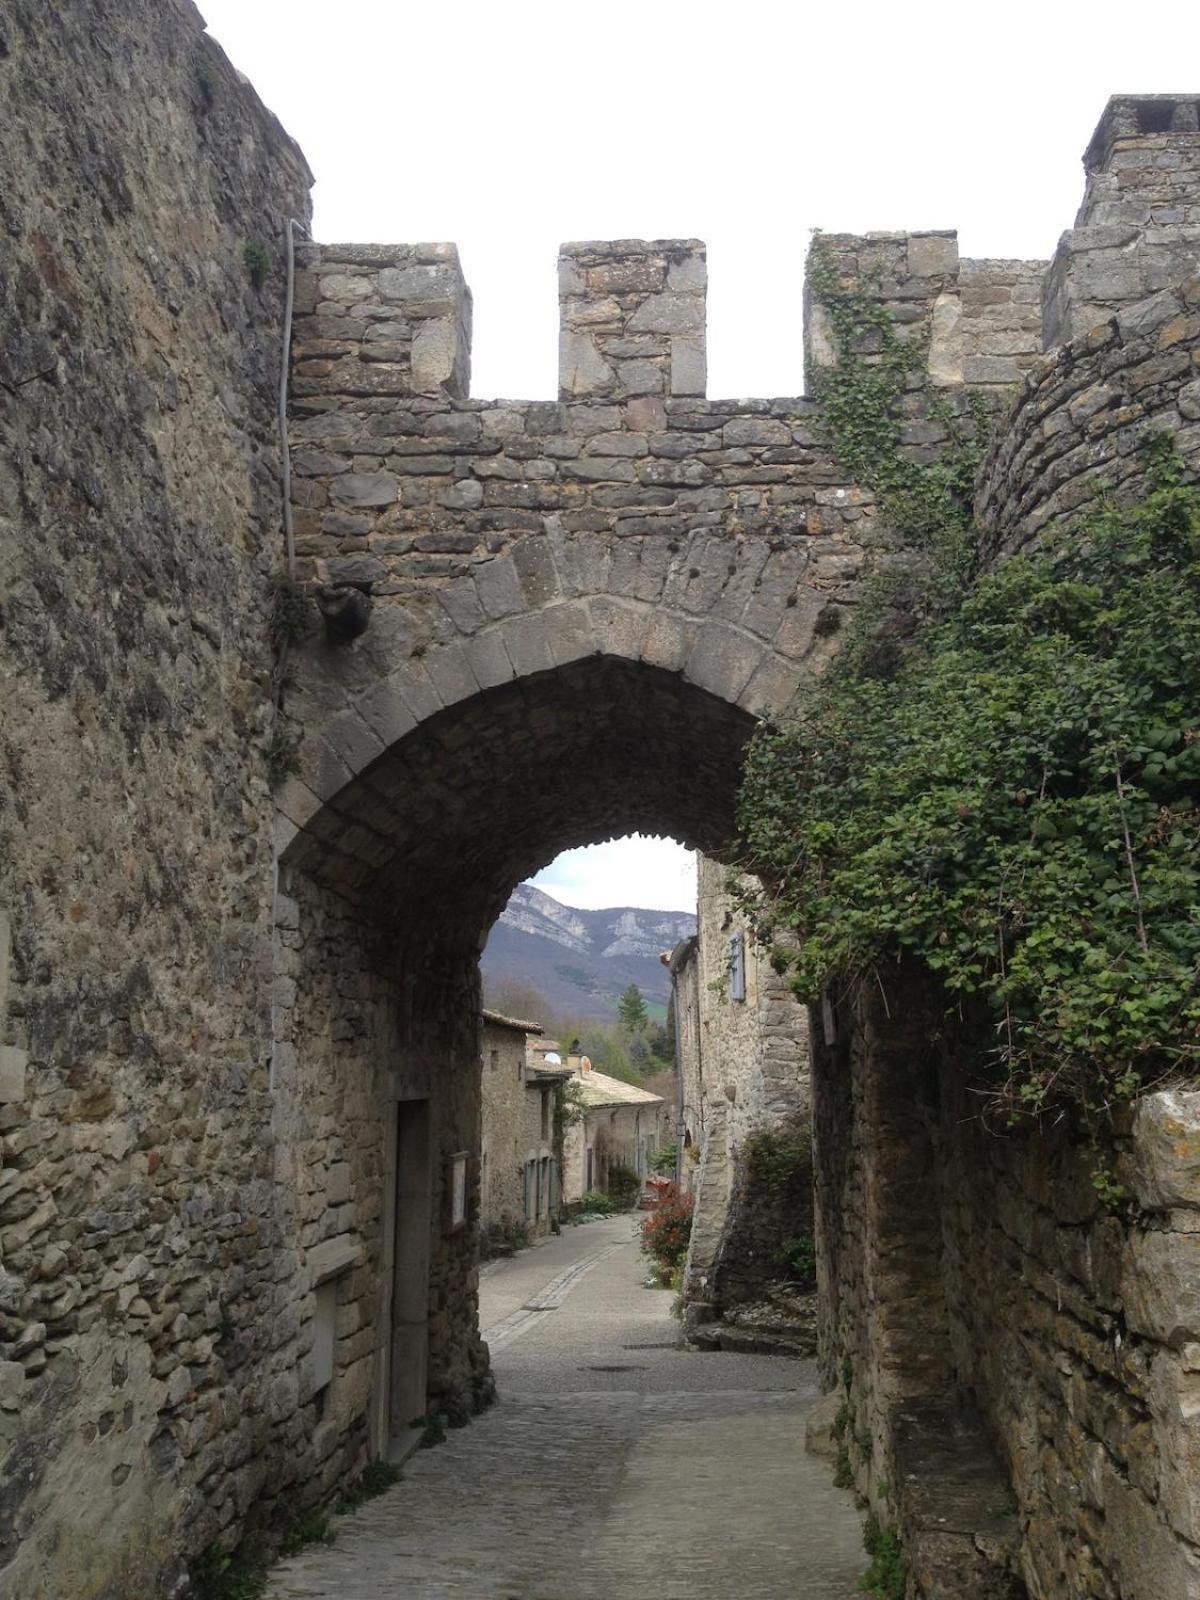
456, 1191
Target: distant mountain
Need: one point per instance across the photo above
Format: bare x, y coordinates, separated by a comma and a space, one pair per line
582, 960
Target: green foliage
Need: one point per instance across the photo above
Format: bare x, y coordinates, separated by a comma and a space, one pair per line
375, 1479
257, 263
502, 1238
596, 1203
569, 1108
799, 1257
291, 611
778, 1162
624, 1186
1019, 809
887, 1574
310, 1527
663, 1161
433, 1430
216, 1575
631, 1009
282, 755
863, 409
843, 1472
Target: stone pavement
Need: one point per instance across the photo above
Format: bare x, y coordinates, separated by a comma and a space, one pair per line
615, 1465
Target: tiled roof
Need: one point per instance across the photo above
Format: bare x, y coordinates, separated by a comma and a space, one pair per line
496, 1019
598, 1089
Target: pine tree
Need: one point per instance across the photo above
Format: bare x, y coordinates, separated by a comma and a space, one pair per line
631, 1009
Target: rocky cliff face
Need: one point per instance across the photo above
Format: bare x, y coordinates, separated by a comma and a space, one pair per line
582, 960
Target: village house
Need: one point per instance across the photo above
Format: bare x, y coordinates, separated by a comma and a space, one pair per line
520, 1148
620, 1126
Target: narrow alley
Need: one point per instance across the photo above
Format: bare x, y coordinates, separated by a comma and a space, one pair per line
613, 1464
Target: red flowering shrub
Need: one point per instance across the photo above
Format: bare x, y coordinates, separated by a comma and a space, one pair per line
666, 1231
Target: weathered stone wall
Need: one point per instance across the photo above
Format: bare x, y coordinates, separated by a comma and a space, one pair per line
745, 1067
511, 1126
141, 300
992, 1330
1072, 436
1138, 229
979, 321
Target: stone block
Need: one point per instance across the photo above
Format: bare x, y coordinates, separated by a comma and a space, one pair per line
435, 352
437, 289
581, 368
13, 1066
689, 367
489, 659
383, 709
669, 313
933, 255
1160, 1285
450, 672
1166, 1150
366, 489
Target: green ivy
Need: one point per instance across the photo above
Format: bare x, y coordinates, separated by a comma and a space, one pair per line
863, 406
1018, 807
887, 1575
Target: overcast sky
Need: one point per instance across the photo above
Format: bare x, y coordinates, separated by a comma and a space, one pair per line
511, 127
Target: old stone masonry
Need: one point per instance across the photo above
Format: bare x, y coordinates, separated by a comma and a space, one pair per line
265, 782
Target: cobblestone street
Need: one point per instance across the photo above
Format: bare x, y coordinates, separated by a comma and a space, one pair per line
614, 1464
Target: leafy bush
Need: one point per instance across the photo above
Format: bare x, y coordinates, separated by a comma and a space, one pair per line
663, 1161
624, 1186
668, 1229
800, 1259
503, 1237
1018, 807
598, 1203
886, 1576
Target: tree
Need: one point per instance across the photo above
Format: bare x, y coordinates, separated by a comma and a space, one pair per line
631, 1009
513, 997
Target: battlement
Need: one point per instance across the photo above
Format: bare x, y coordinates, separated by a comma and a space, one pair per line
632, 319
395, 320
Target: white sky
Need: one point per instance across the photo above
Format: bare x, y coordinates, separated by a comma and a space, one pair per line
637, 871
511, 127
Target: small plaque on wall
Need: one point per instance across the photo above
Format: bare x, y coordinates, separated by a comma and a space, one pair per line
456, 1191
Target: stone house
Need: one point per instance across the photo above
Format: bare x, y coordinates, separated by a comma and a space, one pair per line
621, 1126
520, 1162
744, 1066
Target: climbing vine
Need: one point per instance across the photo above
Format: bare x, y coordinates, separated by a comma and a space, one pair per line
1014, 797
1019, 807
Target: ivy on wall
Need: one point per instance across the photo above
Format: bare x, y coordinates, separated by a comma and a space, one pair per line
1015, 798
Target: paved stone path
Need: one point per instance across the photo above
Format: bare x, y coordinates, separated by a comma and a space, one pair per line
615, 1467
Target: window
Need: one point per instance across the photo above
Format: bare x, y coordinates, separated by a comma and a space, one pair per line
324, 1339
545, 1113
495, 1060
737, 966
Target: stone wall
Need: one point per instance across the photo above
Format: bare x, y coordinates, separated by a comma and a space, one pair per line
979, 321
997, 1338
512, 1125
1072, 436
745, 1070
141, 299
1138, 229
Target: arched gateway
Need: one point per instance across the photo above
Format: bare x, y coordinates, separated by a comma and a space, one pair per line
236, 1069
